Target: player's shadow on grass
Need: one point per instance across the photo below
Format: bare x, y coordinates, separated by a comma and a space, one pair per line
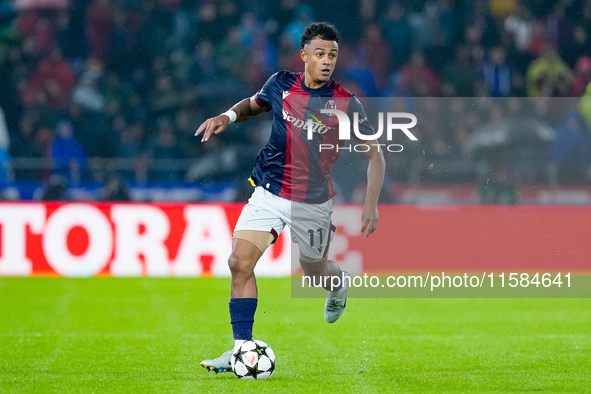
230, 376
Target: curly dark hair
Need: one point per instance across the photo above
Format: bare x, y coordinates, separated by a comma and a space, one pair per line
321, 30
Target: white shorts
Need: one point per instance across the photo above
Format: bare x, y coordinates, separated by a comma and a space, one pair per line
310, 224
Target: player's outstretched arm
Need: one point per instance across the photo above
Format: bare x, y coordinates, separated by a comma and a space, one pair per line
240, 112
375, 178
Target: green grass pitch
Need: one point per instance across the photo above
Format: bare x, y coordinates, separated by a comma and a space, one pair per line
114, 335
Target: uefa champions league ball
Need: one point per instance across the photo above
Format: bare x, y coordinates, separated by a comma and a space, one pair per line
253, 360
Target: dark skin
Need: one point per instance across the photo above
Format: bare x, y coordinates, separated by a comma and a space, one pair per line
320, 58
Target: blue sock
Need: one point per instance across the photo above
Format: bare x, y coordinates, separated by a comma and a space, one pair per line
242, 317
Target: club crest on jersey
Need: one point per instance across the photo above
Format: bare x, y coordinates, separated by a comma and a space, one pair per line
330, 104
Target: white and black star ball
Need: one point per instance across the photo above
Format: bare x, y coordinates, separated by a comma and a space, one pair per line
253, 360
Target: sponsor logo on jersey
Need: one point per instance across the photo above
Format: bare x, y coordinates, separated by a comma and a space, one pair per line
316, 127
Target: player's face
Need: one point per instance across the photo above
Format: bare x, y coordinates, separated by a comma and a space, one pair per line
320, 57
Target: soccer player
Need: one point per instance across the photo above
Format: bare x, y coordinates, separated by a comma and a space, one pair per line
292, 179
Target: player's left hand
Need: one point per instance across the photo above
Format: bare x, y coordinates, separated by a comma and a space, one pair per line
369, 220
213, 126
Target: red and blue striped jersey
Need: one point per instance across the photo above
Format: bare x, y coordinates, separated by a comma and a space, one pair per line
290, 165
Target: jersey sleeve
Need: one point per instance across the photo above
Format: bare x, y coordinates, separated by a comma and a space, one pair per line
365, 127
264, 97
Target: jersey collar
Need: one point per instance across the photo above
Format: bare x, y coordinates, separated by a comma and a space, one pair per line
321, 89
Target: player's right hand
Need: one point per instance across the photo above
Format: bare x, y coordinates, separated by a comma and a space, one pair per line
369, 220
213, 126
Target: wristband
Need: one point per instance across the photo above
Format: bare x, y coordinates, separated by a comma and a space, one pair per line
230, 114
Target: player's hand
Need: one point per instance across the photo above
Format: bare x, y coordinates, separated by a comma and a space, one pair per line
213, 126
369, 220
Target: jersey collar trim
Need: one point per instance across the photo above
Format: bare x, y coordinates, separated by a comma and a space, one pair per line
324, 87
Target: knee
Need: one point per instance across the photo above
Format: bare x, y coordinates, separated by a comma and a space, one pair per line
239, 266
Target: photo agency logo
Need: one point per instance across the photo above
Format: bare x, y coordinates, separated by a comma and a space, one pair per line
317, 123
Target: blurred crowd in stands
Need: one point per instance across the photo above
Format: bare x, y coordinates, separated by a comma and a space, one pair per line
129, 81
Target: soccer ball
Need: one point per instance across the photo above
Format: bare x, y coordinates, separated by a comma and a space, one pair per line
253, 360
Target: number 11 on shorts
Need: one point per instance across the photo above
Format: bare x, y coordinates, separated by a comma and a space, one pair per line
311, 232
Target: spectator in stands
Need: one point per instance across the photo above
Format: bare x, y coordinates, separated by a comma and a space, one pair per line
473, 41
262, 59
5, 168
118, 96
497, 74
99, 27
24, 146
570, 149
4, 134
185, 23
56, 189
460, 75
398, 33
521, 27
55, 78
585, 107
114, 190
44, 139
67, 153
88, 93
43, 36
118, 58
482, 18
360, 73
579, 47
231, 53
41, 111
501, 9
540, 39
70, 36
249, 28
417, 78
549, 76
559, 28
9, 61
167, 97
203, 69
130, 141
164, 148
378, 53
303, 16
582, 76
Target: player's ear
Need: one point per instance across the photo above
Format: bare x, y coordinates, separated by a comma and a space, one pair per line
304, 55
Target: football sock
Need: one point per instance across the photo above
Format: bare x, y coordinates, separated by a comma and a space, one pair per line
242, 317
